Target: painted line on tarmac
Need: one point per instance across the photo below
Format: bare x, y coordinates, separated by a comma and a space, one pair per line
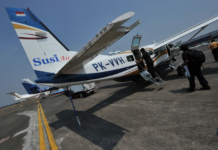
18, 104
5, 139
17, 109
42, 145
52, 143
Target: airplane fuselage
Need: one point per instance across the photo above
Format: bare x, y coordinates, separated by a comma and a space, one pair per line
99, 69
56, 66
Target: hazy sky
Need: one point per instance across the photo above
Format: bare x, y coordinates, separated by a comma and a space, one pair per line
75, 22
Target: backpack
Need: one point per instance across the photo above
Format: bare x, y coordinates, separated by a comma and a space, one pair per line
198, 57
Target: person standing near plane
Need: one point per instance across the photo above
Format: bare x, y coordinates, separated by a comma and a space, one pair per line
214, 48
194, 70
149, 62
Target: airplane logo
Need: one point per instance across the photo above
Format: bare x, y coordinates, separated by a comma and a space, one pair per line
39, 62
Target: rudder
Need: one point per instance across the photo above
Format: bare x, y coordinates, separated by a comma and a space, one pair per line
30, 86
44, 50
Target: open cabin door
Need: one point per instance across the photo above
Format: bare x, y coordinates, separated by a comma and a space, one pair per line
135, 47
136, 42
136, 52
142, 71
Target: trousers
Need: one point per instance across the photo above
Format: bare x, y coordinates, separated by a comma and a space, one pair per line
215, 54
141, 66
151, 70
196, 71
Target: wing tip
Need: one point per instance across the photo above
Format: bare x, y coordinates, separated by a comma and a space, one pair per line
123, 17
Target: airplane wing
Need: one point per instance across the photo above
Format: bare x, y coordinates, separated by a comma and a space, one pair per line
200, 26
105, 38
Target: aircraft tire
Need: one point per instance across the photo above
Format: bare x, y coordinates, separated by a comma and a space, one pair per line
81, 95
180, 71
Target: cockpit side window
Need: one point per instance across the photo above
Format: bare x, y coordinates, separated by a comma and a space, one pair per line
130, 58
161, 49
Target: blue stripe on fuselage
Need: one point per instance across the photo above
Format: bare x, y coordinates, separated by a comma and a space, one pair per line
41, 74
63, 78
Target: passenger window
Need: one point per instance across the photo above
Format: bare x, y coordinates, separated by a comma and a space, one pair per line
130, 58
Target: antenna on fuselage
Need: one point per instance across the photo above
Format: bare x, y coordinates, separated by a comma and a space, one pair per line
154, 42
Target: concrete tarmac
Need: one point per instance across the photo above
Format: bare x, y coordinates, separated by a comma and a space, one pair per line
124, 116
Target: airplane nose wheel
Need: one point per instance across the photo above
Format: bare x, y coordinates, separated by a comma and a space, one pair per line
172, 65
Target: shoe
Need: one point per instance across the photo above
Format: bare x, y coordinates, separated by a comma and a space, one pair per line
205, 88
190, 90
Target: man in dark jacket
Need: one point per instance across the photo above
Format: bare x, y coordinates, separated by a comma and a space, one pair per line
194, 70
149, 62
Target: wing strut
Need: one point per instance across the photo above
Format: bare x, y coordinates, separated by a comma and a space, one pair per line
197, 32
200, 26
69, 92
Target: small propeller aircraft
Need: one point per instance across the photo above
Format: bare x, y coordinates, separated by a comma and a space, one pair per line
23, 97
56, 66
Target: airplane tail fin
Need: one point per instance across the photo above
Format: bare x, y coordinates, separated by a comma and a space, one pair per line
46, 53
30, 86
15, 96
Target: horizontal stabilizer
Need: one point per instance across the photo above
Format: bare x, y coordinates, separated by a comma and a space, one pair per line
105, 38
14, 95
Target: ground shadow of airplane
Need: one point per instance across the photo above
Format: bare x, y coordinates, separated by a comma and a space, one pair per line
95, 129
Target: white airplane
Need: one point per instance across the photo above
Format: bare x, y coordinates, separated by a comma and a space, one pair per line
23, 97
56, 66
